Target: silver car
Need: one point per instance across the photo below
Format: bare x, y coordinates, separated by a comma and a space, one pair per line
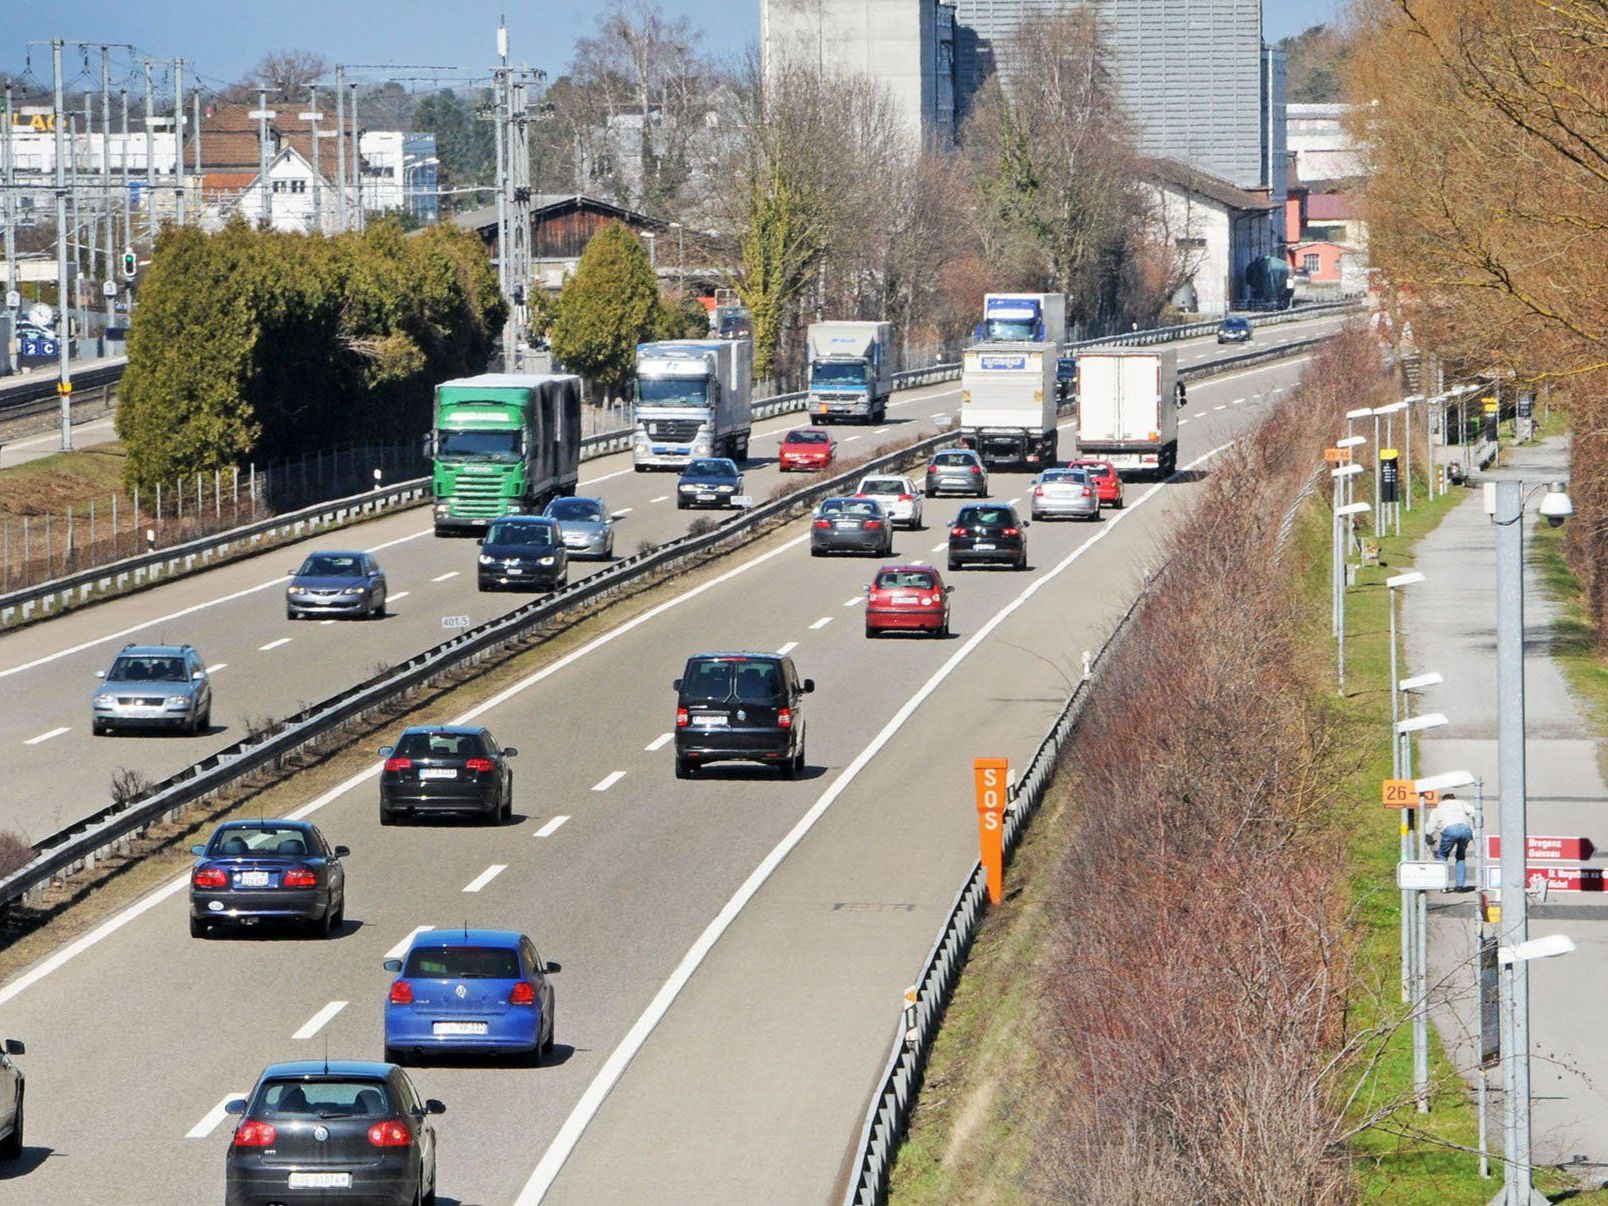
1065, 494
851, 525
898, 495
336, 584
957, 471
153, 687
585, 526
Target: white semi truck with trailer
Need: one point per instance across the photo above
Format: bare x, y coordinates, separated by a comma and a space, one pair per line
1128, 400
694, 397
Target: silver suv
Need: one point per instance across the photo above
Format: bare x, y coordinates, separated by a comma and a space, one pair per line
156, 687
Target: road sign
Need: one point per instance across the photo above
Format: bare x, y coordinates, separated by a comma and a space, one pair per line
13, 300
108, 288
1399, 793
454, 621
1428, 876
1389, 475
1492, 406
1337, 456
990, 778
1556, 877
1539, 847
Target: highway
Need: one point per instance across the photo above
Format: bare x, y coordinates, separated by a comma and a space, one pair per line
57, 771
750, 1084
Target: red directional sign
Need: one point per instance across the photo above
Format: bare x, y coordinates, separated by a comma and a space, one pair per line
1545, 849
1558, 878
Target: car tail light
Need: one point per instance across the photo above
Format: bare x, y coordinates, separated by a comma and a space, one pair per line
784, 718
1038, 491
873, 525
398, 764
299, 877
976, 469
524, 993
1011, 532
1088, 492
210, 877
401, 992
480, 764
823, 523
907, 498
958, 530
928, 600
393, 1132
682, 720
252, 1133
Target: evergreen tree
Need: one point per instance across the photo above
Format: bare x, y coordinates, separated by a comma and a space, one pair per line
609, 306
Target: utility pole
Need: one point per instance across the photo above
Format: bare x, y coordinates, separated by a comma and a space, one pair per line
128, 199
358, 221
178, 139
311, 117
106, 161
64, 387
340, 148
262, 114
11, 212
150, 155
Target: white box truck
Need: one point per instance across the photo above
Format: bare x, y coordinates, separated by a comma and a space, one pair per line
1007, 404
1128, 408
1023, 318
851, 371
694, 397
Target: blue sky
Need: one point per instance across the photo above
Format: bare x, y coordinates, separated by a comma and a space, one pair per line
223, 41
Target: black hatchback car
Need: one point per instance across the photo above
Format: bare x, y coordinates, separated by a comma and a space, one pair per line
988, 532
332, 1131
256, 871
523, 551
740, 707
446, 769
709, 481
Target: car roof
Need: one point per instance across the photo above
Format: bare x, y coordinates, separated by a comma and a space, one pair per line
517, 519
735, 654
850, 498
154, 650
443, 728
337, 553
360, 1068
265, 823
459, 936
589, 498
907, 566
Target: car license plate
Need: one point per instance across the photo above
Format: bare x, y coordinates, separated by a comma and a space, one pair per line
251, 879
905, 600
458, 1028
849, 525
706, 498
438, 772
983, 545
321, 1180
713, 720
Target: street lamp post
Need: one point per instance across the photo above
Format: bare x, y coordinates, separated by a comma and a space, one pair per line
1342, 491
1418, 946
1397, 769
1341, 515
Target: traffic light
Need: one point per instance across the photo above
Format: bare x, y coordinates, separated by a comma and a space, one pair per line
130, 264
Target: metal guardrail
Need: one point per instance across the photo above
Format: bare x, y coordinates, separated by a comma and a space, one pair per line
112, 827
1209, 327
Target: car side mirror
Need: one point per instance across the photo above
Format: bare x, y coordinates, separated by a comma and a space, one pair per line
949, 590
480, 540
236, 1106
511, 752
675, 684
387, 750
196, 676
809, 685
392, 965
198, 850
550, 968
435, 1106
15, 1047
342, 851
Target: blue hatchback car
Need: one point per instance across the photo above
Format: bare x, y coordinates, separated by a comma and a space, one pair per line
463, 991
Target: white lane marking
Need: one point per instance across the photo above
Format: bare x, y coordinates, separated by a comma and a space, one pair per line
603, 477
1012, 502
878, 430
821, 623
661, 498
325, 623
622, 510
541, 1179
1224, 407
401, 948
608, 781
319, 1020
216, 666
274, 644
851, 439
787, 648
485, 877
659, 742
938, 548
854, 602
175, 615
1236, 401
549, 829
209, 1120
1181, 422
401, 594
47, 736
445, 576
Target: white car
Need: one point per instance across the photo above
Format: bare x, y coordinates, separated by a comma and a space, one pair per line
899, 497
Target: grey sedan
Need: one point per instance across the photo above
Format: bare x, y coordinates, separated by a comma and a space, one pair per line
336, 584
957, 471
851, 525
585, 525
1065, 494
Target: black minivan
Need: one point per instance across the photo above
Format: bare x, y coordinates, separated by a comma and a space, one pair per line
740, 707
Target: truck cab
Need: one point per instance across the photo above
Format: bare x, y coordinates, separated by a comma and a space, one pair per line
1023, 318
851, 371
694, 398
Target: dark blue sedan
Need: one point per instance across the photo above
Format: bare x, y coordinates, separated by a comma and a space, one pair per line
463, 990
256, 871
709, 481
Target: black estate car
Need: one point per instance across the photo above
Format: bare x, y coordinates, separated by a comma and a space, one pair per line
740, 707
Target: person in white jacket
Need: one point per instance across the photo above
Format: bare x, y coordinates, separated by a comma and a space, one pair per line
1448, 831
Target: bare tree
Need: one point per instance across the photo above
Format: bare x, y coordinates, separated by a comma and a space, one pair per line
287, 73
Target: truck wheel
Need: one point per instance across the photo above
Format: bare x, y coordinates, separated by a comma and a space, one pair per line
742, 450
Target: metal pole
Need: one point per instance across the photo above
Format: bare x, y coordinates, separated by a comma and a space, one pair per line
1407, 433
178, 140
312, 116
1378, 531
1340, 640
265, 191
128, 200
11, 219
105, 206
340, 148
1404, 847
1483, 1087
195, 102
504, 276
150, 156
357, 163
63, 334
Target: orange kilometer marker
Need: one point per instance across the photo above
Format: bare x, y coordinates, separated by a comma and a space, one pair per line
990, 776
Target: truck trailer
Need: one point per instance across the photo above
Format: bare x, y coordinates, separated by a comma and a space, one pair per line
1128, 401
694, 397
851, 371
1023, 318
1008, 404
503, 444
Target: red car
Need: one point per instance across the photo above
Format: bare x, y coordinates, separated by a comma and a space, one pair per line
807, 448
1107, 482
905, 598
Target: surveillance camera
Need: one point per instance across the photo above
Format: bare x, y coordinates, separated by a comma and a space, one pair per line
1556, 505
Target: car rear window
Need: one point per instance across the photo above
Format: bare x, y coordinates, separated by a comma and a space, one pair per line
1064, 475
807, 437
523, 532
439, 745
574, 508
711, 468
883, 485
148, 669
987, 515
850, 506
750, 681
333, 1098
234, 840
462, 963
904, 580
952, 458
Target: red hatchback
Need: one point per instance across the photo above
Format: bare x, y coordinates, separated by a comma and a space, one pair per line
807, 448
1107, 482
903, 598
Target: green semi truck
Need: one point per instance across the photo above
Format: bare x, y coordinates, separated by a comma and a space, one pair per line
503, 444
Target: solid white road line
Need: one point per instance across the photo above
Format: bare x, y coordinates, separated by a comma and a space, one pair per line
854, 602
1013, 502
851, 439
216, 666
325, 623
274, 644
661, 498
49, 735
401, 948
787, 648
209, 1120
587, 481
445, 576
485, 877
659, 742
549, 829
401, 594
608, 781
546, 1171
1236, 401
821, 623
622, 510
878, 430
319, 1020
1181, 422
